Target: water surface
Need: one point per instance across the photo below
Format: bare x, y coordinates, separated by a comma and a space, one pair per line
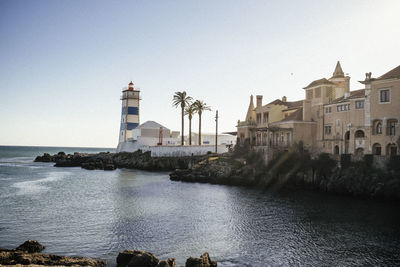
99, 213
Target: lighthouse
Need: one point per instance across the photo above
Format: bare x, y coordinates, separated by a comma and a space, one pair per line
129, 115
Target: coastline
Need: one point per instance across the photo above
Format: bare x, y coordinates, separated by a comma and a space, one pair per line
294, 169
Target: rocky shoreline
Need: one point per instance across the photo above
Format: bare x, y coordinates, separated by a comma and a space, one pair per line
296, 170
111, 161
29, 253
293, 169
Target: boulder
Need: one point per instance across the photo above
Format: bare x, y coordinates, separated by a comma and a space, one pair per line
31, 246
136, 258
203, 261
168, 263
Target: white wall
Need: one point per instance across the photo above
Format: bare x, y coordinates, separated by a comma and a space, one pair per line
223, 139
179, 151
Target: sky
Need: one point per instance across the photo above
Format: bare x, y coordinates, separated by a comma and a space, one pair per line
63, 64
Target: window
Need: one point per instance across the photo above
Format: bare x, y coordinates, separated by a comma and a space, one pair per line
328, 129
318, 92
359, 104
377, 149
309, 94
378, 128
328, 110
391, 127
344, 107
266, 115
359, 134
258, 118
384, 95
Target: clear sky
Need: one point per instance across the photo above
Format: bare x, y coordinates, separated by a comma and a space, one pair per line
63, 63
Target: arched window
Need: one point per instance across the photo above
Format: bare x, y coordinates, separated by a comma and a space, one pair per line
336, 152
378, 128
359, 152
377, 149
359, 134
347, 135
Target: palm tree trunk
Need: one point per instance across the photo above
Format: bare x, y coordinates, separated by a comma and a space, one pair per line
199, 128
190, 130
182, 133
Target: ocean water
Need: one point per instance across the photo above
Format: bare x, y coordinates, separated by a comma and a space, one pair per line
73, 211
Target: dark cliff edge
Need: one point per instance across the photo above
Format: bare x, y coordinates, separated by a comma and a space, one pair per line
110, 161
297, 169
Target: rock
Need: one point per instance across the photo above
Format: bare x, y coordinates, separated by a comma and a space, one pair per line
29, 254
168, 263
203, 261
31, 246
136, 258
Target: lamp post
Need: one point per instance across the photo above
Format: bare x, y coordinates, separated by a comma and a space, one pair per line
216, 132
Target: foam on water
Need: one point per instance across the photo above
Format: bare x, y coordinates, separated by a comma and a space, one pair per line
40, 185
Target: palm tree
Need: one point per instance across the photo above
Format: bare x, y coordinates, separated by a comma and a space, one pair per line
200, 106
181, 99
190, 111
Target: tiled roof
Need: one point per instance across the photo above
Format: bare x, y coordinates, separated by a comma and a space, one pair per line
289, 104
394, 73
295, 116
318, 82
353, 94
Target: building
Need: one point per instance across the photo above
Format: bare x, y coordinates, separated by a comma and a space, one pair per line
209, 139
156, 138
331, 118
152, 133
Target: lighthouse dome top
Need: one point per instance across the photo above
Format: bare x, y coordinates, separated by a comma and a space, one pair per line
131, 86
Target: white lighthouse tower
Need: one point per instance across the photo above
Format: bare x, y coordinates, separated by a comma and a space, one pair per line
129, 117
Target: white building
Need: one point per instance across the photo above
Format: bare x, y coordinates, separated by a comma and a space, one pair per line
209, 139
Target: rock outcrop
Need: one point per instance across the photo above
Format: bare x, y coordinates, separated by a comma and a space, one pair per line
110, 161
203, 261
294, 170
31, 246
29, 254
140, 258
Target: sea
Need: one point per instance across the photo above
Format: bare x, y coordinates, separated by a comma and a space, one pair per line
79, 212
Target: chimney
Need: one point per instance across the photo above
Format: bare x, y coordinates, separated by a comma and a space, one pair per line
259, 101
284, 99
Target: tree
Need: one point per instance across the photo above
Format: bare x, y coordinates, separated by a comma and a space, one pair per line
182, 100
190, 111
200, 106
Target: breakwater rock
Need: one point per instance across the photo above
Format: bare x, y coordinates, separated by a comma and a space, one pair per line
111, 161
29, 254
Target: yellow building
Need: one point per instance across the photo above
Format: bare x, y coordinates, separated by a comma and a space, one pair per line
331, 118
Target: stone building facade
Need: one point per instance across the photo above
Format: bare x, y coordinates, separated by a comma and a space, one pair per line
331, 118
